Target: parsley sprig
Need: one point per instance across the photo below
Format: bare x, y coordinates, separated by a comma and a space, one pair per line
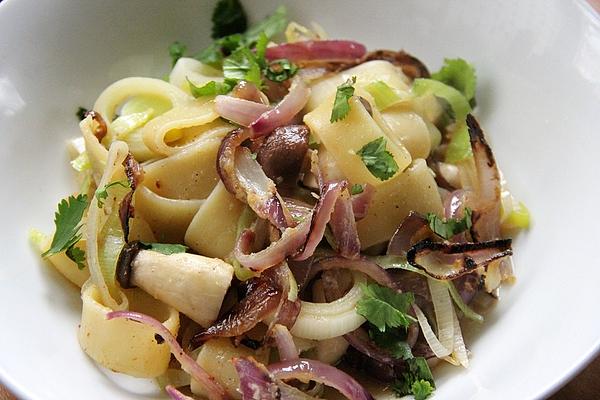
450, 227
228, 18
67, 220
417, 381
384, 307
102, 193
378, 160
341, 104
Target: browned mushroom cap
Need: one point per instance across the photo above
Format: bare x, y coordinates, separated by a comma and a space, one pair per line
283, 151
411, 66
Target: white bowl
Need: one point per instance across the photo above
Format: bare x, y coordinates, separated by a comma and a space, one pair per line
538, 94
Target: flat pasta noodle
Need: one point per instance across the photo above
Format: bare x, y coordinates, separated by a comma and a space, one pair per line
167, 218
189, 173
212, 232
122, 345
193, 113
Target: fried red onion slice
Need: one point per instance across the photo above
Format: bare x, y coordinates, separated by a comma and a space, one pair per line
257, 383
486, 210
318, 50
244, 178
290, 243
413, 229
361, 201
248, 91
305, 370
321, 216
285, 343
242, 112
283, 112
213, 389
175, 394
264, 297
343, 227
448, 261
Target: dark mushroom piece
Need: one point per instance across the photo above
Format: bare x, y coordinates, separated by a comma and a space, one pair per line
282, 153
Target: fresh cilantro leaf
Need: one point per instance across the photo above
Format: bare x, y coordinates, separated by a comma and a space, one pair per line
392, 341
460, 75
417, 381
281, 70
214, 54
211, 88
421, 389
378, 160
261, 50
450, 227
176, 51
81, 112
77, 255
357, 188
242, 65
384, 307
102, 193
341, 106
67, 221
271, 26
166, 248
228, 17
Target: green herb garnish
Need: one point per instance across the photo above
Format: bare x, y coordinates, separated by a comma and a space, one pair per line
341, 105
378, 160
228, 18
77, 255
176, 51
384, 307
67, 220
357, 188
281, 70
166, 248
211, 88
450, 227
417, 381
102, 193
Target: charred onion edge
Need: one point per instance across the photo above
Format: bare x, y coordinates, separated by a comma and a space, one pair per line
126, 257
263, 298
401, 241
469, 264
484, 159
100, 130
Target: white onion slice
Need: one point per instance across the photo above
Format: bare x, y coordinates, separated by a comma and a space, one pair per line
438, 349
319, 321
442, 304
